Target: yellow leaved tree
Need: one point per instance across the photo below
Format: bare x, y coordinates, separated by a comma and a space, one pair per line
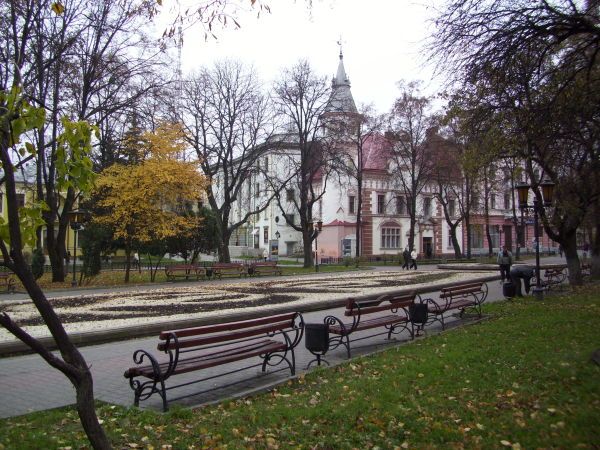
142, 202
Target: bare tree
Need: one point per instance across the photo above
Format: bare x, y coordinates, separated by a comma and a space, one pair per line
301, 99
353, 135
410, 123
537, 63
90, 62
447, 176
229, 124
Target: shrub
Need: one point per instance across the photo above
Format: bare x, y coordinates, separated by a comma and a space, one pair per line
37, 263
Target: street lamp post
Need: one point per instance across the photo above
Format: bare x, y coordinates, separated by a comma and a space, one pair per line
318, 227
537, 207
77, 219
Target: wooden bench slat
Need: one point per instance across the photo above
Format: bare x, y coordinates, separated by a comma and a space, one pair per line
211, 359
212, 339
229, 326
370, 323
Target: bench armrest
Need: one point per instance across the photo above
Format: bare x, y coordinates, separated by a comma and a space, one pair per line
440, 305
333, 320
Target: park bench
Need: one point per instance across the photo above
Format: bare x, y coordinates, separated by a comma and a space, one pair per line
459, 297
586, 270
388, 311
186, 271
220, 270
264, 268
271, 339
553, 277
7, 279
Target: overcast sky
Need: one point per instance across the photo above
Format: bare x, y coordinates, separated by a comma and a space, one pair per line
382, 43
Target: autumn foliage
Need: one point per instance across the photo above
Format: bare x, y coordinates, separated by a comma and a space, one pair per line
141, 202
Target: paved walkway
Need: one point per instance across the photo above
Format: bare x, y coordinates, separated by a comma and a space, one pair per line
28, 384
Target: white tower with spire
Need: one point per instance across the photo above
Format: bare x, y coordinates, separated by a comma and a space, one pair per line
341, 100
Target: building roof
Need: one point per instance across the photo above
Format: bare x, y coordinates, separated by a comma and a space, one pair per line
341, 97
377, 151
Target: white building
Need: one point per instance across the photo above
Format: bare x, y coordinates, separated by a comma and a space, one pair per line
385, 220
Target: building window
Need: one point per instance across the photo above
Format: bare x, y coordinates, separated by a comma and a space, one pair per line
400, 205
390, 238
495, 235
20, 200
427, 206
321, 208
449, 244
507, 200
256, 190
265, 235
266, 164
381, 204
352, 204
290, 218
476, 236
451, 208
493, 201
289, 195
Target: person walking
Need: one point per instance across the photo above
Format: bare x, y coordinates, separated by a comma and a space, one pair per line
504, 262
413, 259
406, 257
136, 262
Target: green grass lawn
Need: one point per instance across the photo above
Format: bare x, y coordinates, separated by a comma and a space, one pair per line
522, 379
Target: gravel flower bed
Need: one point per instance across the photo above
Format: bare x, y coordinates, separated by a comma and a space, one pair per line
128, 309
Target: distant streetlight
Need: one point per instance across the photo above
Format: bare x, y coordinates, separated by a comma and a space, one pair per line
548, 196
77, 219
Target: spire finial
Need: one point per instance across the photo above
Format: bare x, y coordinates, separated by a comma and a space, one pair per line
339, 42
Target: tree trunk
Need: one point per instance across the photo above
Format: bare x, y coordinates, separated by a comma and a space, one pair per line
127, 262
573, 264
455, 243
224, 256
595, 251
489, 239
308, 253
468, 227
73, 364
57, 262
358, 220
87, 412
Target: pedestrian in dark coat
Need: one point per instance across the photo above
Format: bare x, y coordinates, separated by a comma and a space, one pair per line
504, 262
406, 257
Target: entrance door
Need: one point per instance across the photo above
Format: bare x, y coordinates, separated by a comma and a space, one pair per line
428, 247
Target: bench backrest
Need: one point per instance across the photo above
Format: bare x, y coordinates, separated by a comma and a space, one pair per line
461, 289
265, 264
226, 332
228, 266
380, 303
